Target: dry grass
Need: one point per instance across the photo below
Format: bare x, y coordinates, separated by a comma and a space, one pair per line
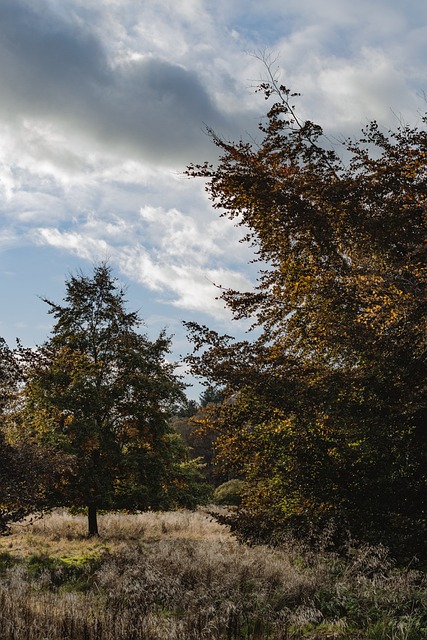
60, 533
170, 576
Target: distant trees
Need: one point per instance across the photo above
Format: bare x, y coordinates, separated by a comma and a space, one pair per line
193, 424
325, 411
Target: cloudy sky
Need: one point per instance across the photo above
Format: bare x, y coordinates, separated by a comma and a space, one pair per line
103, 103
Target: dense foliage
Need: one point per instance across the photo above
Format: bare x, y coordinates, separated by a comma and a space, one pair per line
325, 413
103, 393
190, 423
31, 477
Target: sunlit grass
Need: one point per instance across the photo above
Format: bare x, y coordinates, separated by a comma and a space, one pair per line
60, 533
180, 575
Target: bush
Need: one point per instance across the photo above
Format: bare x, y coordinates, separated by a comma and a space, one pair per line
229, 493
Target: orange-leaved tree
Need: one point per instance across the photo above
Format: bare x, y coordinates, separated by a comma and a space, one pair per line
325, 412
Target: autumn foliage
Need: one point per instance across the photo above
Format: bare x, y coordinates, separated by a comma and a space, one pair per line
325, 413
31, 477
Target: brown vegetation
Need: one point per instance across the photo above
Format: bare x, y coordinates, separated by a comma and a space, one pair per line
164, 576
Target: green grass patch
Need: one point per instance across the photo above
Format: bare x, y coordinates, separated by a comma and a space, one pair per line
75, 573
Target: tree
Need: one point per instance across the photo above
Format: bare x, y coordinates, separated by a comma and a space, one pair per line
30, 476
197, 433
9, 377
187, 486
325, 411
104, 394
211, 395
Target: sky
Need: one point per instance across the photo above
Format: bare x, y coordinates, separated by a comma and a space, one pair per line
104, 103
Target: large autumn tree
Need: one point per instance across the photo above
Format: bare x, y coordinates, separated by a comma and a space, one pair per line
326, 413
104, 392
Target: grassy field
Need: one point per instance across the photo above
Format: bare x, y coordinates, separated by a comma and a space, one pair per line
181, 576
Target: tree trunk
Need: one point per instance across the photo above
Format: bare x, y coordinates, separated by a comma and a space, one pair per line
92, 520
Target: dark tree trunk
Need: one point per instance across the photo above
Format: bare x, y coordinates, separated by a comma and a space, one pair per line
92, 520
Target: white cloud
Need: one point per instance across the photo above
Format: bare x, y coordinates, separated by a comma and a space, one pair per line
87, 86
184, 260
180, 236
8, 238
193, 288
363, 90
83, 246
353, 61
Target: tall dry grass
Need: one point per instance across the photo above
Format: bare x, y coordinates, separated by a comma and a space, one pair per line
181, 576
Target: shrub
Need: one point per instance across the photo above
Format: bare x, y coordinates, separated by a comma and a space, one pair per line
229, 493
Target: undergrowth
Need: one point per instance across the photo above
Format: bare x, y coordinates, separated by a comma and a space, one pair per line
181, 576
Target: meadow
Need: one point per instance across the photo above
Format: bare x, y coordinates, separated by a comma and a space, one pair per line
182, 576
